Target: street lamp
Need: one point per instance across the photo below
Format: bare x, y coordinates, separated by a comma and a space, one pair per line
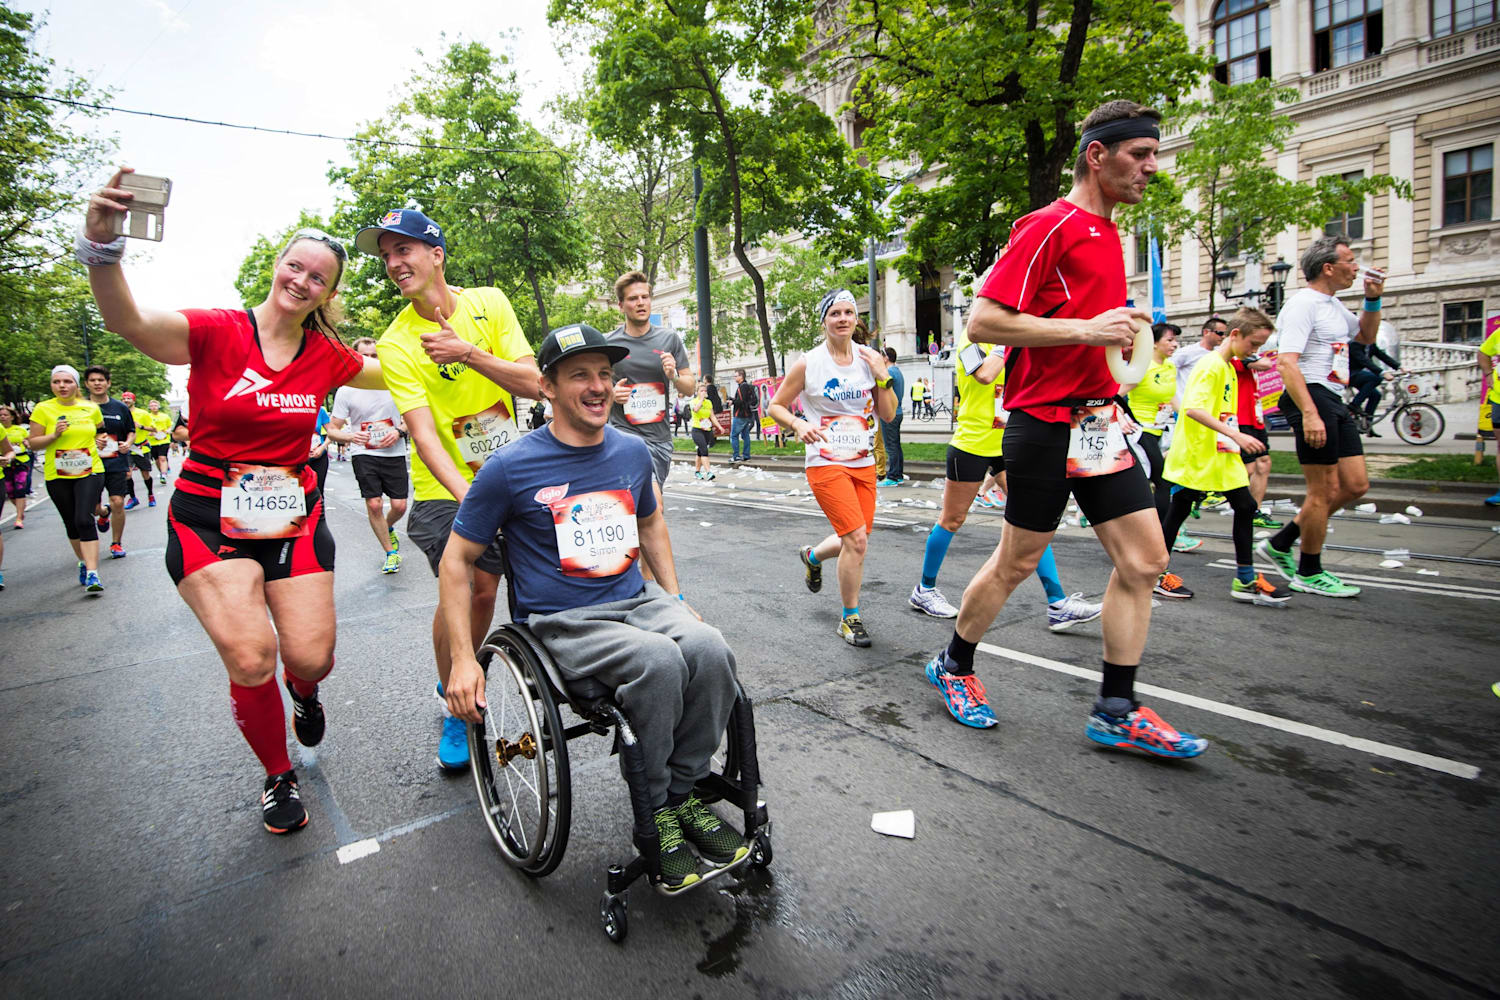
1225, 278
1279, 272
1276, 294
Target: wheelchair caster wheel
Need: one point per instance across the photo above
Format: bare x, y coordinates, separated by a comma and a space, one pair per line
612, 917
760, 852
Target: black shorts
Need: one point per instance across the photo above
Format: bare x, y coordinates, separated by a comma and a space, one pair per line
703, 440
194, 541
160, 450
117, 479
1259, 433
382, 476
1344, 439
431, 522
142, 462
1036, 470
967, 467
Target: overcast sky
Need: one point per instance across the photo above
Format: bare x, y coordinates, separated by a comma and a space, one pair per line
314, 66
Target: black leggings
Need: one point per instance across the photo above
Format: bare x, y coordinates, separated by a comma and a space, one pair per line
75, 500
1240, 501
1161, 489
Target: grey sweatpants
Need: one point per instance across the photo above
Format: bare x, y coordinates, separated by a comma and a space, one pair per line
673, 675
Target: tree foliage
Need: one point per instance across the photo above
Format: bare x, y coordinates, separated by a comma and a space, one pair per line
988, 97
1243, 203
711, 77
796, 282
505, 209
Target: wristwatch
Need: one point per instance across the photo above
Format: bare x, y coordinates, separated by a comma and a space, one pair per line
884, 383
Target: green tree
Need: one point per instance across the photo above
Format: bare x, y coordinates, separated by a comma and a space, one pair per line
988, 96
1243, 203
711, 77
796, 282
499, 187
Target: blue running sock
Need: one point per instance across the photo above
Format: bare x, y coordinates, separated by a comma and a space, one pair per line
937, 550
851, 611
1046, 571
1246, 574
812, 557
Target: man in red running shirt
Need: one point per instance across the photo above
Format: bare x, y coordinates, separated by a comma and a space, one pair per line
1056, 299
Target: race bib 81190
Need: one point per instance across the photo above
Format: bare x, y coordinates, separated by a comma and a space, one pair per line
596, 533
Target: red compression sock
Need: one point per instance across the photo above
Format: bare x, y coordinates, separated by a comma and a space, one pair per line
262, 719
305, 688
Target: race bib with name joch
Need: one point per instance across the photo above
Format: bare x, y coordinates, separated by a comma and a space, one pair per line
846, 438
1096, 442
482, 434
647, 403
596, 533
262, 501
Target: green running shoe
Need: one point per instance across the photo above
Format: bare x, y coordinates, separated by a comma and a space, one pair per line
1285, 562
1186, 543
716, 841
1264, 520
1213, 500
1325, 584
392, 562
679, 868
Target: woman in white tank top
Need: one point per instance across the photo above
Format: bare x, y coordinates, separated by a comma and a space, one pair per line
841, 386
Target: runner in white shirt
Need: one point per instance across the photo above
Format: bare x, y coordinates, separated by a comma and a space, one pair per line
1313, 333
368, 420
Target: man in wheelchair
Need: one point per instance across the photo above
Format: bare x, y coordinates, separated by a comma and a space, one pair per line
575, 505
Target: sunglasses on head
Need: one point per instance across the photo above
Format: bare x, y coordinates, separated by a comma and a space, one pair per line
317, 234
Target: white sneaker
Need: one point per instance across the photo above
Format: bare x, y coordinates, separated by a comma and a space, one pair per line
930, 601
1070, 611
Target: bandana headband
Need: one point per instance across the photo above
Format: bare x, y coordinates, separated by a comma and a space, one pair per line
1119, 130
69, 369
832, 299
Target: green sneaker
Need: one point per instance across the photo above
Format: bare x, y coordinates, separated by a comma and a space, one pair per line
1186, 543
1324, 583
1285, 562
392, 562
716, 841
395, 542
679, 868
1264, 520
1212, 500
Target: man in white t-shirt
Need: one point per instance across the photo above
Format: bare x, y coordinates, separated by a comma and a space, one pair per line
1313, 334
368, 420
1184, 358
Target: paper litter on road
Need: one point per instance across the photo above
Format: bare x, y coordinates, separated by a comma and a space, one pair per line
1366, 508
1414, 510
1427, 572
1394, 519
1391, 564
901, 823
705, 524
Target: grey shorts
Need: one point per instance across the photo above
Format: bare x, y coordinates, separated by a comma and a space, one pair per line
431, 522
661, 460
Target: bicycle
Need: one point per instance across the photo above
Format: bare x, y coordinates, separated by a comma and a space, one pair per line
1416, 422
930, 410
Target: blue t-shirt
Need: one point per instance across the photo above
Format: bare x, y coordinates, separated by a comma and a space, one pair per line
898, 385
539, 492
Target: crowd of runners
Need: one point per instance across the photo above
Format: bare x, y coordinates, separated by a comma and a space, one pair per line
586, 555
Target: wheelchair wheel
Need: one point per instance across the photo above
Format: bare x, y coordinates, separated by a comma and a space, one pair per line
1419, 423
520, 758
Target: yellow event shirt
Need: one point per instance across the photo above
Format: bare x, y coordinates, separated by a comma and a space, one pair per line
1194, 460
703, 414
1491, 346
1155, 389
17, 434
160, 427
473, 415
978, 407
144, 421
84, 423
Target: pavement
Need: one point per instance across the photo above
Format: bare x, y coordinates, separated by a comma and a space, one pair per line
1337, 840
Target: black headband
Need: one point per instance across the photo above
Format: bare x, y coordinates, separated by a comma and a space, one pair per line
1119, 130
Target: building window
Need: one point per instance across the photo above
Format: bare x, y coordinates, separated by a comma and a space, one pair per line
1463, 322
1466, 184
1242, 40
1350, 224
1142, 251
1449, 17
1346, 31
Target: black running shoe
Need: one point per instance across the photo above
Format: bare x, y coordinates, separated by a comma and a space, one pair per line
307, 716
814, 570
281, 806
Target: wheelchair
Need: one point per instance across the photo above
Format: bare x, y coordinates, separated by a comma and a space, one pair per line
519, 756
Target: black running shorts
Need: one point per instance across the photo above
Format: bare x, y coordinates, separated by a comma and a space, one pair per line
194, 541
967, 467
1259, 433
1343, 439
1036, 464
381, 476
117, 478
142, 462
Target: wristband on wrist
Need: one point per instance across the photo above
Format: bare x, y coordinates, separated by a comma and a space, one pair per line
1372, 305
682, 597
93, 254
884, 383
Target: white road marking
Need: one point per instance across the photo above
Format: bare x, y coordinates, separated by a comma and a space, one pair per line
1443, 764
1385, 583
357, 850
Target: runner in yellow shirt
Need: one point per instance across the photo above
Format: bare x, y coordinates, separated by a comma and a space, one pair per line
452, 360
1206, 457
1487, 352
703, 432
68, 427
158, 434
18, 466
1152, 401
140, 454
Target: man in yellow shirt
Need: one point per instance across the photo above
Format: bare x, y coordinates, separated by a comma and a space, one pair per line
140, 451
452, 359
158, 434
1487, 352
1206, 456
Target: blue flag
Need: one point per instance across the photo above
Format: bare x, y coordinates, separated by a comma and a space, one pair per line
1158, 295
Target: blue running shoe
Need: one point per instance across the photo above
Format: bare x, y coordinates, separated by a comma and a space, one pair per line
83, 574
1143, 729
1493, 500
963, 693
92, 584
131, 503
453, 748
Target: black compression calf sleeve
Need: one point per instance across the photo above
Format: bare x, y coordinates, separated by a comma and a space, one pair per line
961, 655
1118, 682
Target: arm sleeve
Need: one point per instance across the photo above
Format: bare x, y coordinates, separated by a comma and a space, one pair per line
1491, 345
507, 339
127, 423
401, 377
1293, 328
487, 504
201, 326
1203, 389
341, 405
347, 362
680, 355
1020, 271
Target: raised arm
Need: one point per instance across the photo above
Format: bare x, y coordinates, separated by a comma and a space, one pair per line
159, 334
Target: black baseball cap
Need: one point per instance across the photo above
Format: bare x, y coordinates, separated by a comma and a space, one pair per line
406, 222
580, 338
